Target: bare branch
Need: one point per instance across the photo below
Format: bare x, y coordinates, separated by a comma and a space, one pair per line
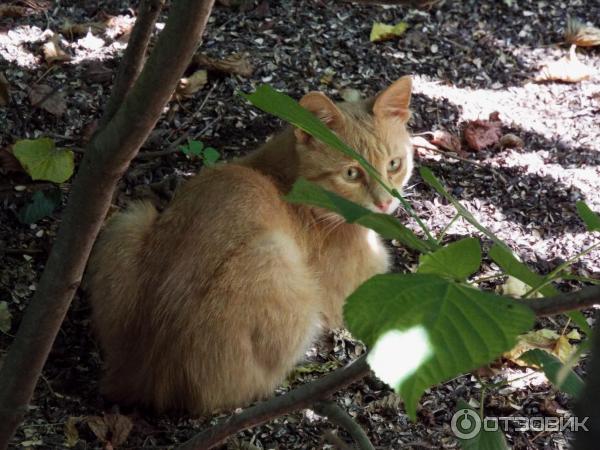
133, 59
549, 306
301, 397
106, 158
341, 418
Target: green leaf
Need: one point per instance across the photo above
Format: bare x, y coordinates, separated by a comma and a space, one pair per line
42, 161
423, 329
591, 219
210, 156
570, 382
5, 317
193, 148
305, 192
457, 260
512, 266
483, 440
41, 205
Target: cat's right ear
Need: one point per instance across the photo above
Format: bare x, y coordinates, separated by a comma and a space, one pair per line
322, 107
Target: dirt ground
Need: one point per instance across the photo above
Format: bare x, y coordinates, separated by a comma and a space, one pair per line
468, 58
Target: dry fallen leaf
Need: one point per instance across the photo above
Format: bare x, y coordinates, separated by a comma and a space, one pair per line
71, 29
351, 95
447, 141
43, 96
71, 433
12, 11
383, 32
4, 90
236, 64
53, 51
9, 162
580, 34
480, 134
112, 428
568, 69
421, 142
189, 86
90, 42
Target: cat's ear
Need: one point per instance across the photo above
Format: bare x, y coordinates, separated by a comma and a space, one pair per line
394, 101
322, 107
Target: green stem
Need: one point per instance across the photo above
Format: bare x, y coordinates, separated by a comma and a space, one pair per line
556, 272
447, 228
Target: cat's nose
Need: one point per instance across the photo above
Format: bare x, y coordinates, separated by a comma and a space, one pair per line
383, 205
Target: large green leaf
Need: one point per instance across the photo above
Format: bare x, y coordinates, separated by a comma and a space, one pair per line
457, 260
591, 219
423, 329
512, 266
483, 440
43, 161
309, 193
551, 365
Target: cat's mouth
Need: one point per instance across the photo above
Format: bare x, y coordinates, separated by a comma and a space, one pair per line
387, 207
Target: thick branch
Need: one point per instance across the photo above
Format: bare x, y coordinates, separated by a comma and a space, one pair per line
341, 418
562, 303
301, 397
106, 158
133, 59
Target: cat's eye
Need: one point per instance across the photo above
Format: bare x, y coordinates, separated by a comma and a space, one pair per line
394, 165
352, 173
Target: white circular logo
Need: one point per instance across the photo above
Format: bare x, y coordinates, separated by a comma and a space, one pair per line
465, 424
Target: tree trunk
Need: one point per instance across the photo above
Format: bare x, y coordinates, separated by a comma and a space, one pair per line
106, 158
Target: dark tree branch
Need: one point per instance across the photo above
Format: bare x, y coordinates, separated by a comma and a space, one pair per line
587, 405
341, 418
301, 397
106, 158
549, 306
133, 59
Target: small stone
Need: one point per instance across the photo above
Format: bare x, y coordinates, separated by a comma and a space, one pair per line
511, 141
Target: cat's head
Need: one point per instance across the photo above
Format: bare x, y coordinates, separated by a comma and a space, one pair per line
375, 128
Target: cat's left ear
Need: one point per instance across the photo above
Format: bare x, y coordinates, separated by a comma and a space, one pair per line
322, 107
394, 101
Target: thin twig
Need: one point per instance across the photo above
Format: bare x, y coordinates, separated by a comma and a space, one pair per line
133, 58
341, 418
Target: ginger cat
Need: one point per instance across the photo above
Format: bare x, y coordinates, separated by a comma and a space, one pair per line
212, 302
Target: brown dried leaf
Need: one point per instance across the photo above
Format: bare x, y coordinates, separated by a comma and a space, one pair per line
237, 64
12, 11
112, 428
9, 162
446, 141
71, 29
43, 96
580, 34
480, 134
71, 433
568, 69
189, 86
4, 90
53, 51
